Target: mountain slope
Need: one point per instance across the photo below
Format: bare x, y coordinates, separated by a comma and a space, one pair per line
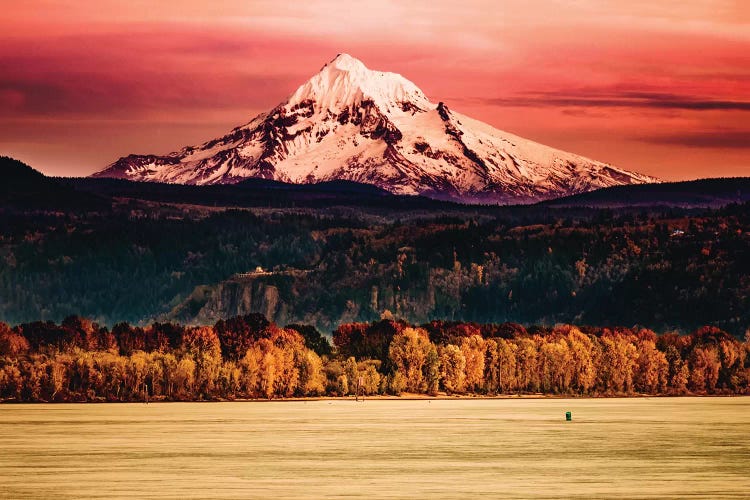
351, 123
714, 193
24, 188
262, 193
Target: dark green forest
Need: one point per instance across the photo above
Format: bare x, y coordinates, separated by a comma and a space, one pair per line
663, 270
340, 253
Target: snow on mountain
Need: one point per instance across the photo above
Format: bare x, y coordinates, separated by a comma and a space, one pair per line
349, 122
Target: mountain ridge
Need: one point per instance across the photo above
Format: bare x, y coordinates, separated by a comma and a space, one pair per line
351, 123
26, 189
713, 192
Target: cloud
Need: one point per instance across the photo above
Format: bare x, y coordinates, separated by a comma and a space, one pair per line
633, 99
138, 74
719, 139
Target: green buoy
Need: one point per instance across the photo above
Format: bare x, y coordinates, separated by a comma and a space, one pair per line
568, 416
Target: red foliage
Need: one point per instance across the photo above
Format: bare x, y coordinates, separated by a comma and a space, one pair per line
237, 334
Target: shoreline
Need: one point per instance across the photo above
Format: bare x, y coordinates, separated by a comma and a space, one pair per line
380, 397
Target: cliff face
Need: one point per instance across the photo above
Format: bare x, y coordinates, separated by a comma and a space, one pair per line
208, 304
402, 289
234, 298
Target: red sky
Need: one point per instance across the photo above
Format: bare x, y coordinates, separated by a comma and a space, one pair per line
657, 86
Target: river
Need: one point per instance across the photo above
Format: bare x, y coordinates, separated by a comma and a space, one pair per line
468, 448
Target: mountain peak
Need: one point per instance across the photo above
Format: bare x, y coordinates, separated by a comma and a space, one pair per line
345, 82
349, 122
345, 62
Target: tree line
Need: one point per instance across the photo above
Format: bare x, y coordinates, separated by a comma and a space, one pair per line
251, 357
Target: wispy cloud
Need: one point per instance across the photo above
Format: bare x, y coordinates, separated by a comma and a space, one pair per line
656, 100
718, 139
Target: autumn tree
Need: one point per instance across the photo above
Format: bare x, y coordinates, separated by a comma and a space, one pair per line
183, 378
202, 345
452, 368
237, 334
678, 373
732, 355
163, 337
396, 383
704, 369
527, 364
81, 333
12, 343
351, 372
312, 380
555, 362
56, 376
11, 381
43, 335
408, 353
291, 348
372, 380
473, 350
432, 370
584, 359
618, 360
230, 376
367, 341
313, 339
500, 366
129, 338
652, 368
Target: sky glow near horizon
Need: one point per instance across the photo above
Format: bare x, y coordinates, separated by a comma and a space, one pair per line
660, 87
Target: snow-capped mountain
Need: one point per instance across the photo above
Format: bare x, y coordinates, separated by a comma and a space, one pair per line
350, 122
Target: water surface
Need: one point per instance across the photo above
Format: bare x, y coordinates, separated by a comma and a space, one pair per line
513, 448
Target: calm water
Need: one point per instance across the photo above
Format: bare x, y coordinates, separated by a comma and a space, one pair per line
613, 448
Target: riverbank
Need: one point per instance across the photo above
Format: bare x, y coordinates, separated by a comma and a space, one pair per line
382, 397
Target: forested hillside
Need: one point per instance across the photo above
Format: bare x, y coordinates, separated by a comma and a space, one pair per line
661, 270
338, 252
